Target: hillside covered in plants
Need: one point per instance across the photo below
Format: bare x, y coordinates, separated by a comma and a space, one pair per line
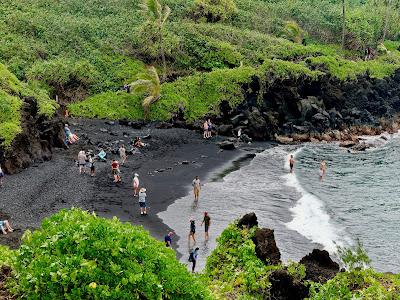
206, 52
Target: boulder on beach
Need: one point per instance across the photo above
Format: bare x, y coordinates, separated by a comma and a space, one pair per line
225, 130
227, 145
248, 220
285, 287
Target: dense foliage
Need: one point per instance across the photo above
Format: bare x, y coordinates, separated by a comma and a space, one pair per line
77, 255
12, 92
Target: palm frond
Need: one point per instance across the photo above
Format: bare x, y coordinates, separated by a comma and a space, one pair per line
166, 13
141, 85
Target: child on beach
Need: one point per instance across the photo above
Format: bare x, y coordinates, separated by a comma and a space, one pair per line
142, 201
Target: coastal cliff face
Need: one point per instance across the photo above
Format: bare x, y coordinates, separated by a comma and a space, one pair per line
36, 141
304, 109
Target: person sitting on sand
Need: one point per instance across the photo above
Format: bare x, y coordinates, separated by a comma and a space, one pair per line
192, 232
82, 162
142, 201
102, 155
291, 163
196, 188
135, 185
115, 171
205, 129
1, 177
122, 154
4, 226
138, 143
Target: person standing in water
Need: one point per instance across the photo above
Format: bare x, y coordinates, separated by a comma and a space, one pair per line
192, 232
135, 185
322, 169
122, 154
291, 163
196, 188
206, 221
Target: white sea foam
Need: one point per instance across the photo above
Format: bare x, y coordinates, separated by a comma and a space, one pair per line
309, 216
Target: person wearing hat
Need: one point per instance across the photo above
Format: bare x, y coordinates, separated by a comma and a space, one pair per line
142, 201
135, 185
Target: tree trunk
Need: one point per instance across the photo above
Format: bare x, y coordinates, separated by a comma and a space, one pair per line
389, 2
164, 76
343, 23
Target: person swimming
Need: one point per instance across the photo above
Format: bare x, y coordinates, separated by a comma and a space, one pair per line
291, 163
322, 169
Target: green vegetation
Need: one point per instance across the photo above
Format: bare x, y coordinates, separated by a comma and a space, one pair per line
101, 46
77, 255
12, 92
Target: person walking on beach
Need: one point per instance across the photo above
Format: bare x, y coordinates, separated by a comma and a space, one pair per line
193, 257
192, 232
209, 130
206, 221
82, 162
322, 169
291, 163
115, 171
91, 165
142, 202
122, 154
205, 129
135, 185
168, 239
1, 177
196, 188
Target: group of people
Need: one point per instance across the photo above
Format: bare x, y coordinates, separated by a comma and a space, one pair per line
322, 167
207, 129
86, 161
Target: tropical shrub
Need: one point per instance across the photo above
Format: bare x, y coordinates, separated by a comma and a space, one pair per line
77, 255
293, 32
214, 10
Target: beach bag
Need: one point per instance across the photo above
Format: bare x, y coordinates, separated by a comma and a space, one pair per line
191, 257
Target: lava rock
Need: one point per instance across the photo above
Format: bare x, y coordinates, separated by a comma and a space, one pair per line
225, 130
266, 248
319, 266
248, 220
227, 145
285, 287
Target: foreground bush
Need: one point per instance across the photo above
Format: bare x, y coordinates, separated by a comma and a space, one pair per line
77, 255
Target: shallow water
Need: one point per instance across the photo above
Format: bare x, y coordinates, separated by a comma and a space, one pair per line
358, 199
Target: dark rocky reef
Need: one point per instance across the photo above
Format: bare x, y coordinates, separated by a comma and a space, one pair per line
36, 141
318, 264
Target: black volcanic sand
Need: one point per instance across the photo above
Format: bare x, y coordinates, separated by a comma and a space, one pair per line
47, 187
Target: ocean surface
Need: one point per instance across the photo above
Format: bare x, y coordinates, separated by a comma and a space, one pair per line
358, 199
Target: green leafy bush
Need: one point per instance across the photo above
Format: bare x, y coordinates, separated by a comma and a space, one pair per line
233, 269
214, 10
77, 255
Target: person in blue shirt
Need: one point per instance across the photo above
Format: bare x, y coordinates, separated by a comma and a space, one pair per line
193, 257
168, 240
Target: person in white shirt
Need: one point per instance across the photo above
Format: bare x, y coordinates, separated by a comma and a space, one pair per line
196, 188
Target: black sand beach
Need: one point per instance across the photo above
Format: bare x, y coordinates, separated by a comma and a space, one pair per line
166, 168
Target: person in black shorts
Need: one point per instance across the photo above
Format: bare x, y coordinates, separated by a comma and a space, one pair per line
207, 222
192, 231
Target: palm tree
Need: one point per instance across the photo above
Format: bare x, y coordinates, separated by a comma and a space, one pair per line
343, 23
157, 15
388, 4
151, 85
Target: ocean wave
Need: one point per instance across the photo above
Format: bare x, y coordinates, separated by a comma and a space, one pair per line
309, 216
